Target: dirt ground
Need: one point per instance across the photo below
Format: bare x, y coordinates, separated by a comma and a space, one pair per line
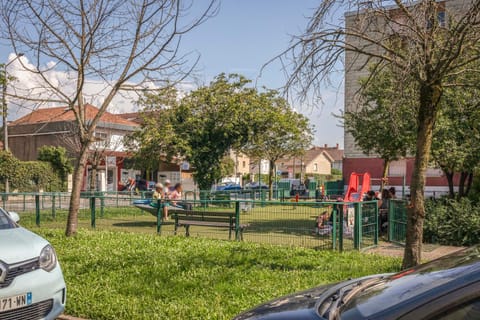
429, 252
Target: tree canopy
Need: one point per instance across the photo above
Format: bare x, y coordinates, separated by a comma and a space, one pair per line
205, 124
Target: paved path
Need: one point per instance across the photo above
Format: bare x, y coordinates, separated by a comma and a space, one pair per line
429, 251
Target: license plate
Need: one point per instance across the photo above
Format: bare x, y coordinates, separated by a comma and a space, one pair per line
15, 302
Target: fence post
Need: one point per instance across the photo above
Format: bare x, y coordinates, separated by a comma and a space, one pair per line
334, 227
159, 216
340, 231
237, 220
92, 210
37, 209
357, 228
54, 213
391, 214
375, 240
102, 205
24, 204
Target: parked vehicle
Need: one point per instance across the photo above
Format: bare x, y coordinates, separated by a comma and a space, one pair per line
227, 187
31, 281
446, 288
256, 185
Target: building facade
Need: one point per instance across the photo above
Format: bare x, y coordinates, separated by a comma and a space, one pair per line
356, 68
57, 127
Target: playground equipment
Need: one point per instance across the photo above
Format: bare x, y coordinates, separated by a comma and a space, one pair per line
358, 184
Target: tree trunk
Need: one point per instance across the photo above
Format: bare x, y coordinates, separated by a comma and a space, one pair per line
461, 184
427, 113
469, 183
93, 178
270, 179
386, 165
449, 176
78, 171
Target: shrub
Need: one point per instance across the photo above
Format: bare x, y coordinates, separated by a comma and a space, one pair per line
452, 222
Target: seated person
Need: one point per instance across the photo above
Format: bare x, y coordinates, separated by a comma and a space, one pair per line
158, 195
176, 194
322, 225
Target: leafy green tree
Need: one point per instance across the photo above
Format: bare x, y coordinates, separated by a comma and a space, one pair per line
212, 120
8, 166
383, 124
455, 146
201, 127
59, 160
277, 132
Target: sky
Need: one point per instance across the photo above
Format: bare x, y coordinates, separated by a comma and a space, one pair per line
241, 38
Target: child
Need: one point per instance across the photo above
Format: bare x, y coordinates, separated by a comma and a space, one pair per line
321, 224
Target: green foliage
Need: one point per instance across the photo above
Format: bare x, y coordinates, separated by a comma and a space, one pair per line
207, 123
277, 131
455, 146
383, 125
31, 176
336, 172
28, 176
227, 167
112, 275
452, 222
8, 165
58, 158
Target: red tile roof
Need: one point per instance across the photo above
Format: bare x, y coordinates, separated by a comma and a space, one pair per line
58, 114
334, 152
307, 157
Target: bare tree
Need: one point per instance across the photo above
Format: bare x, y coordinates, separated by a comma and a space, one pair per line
124, 44
427, 41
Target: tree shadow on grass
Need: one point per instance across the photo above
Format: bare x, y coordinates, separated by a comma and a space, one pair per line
139, 224
299, 227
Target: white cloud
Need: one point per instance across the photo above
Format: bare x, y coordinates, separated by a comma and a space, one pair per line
32, 85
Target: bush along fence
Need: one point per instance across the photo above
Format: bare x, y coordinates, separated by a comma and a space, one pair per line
322, 225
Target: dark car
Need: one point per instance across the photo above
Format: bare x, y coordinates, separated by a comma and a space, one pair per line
446, 288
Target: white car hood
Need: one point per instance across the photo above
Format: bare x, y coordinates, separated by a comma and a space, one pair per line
19, 244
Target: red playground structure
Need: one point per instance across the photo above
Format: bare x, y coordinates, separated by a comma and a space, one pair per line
358, 185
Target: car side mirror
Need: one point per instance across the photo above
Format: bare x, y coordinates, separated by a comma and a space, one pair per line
15, 217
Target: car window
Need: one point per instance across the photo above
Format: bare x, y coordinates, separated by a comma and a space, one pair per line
467, 311
5, 221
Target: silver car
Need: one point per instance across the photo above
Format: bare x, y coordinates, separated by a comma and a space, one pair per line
31, 281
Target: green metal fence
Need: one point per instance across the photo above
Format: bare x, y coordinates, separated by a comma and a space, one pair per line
397, 221
344, 226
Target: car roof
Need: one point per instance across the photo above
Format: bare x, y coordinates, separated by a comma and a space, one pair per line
414, 287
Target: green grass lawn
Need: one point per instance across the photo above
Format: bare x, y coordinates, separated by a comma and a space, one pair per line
120, 275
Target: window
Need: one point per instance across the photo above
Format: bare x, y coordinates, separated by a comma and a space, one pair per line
469, 310
315, 167
243, 164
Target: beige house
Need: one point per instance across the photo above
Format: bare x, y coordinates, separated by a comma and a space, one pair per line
313, 161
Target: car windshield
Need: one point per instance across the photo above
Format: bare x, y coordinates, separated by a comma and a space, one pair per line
5, 221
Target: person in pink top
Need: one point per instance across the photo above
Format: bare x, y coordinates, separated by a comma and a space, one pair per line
176, 194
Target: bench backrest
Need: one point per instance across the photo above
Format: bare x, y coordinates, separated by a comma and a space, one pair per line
211, 216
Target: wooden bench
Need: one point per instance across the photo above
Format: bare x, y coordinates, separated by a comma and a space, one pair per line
230, 220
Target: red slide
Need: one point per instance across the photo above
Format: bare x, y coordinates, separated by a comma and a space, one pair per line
354, 192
